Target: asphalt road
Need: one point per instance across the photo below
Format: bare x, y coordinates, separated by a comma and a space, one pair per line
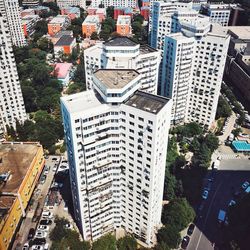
225, 182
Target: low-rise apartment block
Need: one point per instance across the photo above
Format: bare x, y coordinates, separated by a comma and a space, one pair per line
91, 24
65, 45
58, 23
29, 24
123, 25
20, 168
71, 12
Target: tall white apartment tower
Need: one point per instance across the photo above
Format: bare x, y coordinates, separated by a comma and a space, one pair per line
9, 9
123, 53
11, 99
193, 66
117, 153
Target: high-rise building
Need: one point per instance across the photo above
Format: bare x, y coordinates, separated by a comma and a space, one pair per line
123, 53
11, 99
67, 3
115, 3
117, 153
218, 12
193, 66
9, 9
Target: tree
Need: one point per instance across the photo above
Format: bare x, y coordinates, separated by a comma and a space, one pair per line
178, 213
223, 108
106, 242
236, 132
94, 36
44, 44
127, 243
169, 186
212, 142
64, 239
110, 11
170, 236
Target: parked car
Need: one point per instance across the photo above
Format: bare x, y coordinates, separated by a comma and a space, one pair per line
31, 233
69, 226
46, 246
54, 159
205, 194
231, 203
185, 242
43, 228
41, 234
43, 179
190, 229
245, 185
37, 247
45, 222
26, 246
39, 241
47, 215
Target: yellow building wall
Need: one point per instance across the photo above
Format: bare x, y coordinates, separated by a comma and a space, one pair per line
26, 189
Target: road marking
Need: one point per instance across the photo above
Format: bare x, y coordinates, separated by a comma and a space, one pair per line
209, 208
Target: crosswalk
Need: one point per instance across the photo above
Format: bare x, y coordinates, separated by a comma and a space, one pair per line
232, 156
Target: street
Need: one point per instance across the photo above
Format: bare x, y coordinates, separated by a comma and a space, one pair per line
227, 180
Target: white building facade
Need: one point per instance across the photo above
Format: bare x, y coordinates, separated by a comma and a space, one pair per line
11, 14
115, 3
67, 3
117, 155
11, 99
123, 53
193, 66
30, 3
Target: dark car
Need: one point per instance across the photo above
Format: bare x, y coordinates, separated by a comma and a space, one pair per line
39, 241
54, 159
185, 242
31, 233
190, 229
45, 222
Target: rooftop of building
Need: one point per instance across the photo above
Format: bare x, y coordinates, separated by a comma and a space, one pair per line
58, 19
115, 78
82, 101
62, 69
145, 49
92, 19
120, 41
124, 20
64, 32
240, 32
30, 17
15, 159
72, 9
65, 40
218, 30
101, 11
147, 102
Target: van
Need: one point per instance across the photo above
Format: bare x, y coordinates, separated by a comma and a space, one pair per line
46, 246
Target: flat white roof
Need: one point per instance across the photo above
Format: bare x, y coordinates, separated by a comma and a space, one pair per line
58, 19
242, 32
92, 19
82, 101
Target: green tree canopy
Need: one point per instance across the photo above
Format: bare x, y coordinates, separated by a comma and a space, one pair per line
106, 242
223, 108
168, 237
178, 213
127, 243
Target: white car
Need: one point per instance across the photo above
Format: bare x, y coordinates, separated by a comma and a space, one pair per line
245, 185
231, 203
37, 247
26, 246
43, 228
41, 234
47, 215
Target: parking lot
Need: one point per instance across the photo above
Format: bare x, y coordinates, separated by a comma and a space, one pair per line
46, 203
223, 186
